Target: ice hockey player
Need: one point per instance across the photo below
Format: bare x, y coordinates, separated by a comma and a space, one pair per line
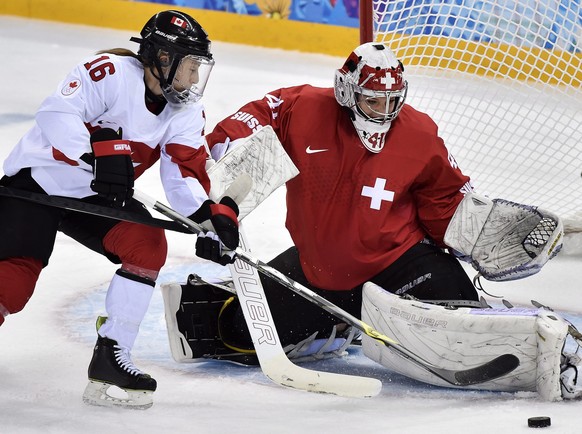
112, 117
381, 204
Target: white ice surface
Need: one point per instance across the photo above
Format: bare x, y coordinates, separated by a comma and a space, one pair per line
47, 347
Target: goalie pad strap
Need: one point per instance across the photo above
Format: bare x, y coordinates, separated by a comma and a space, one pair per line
312, 349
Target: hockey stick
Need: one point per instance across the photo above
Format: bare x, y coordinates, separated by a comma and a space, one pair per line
78, 205
495, 368
272, 357
223, 284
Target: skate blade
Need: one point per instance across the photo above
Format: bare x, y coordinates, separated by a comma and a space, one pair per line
97, 393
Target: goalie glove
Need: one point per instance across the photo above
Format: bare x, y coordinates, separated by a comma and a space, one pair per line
503, 240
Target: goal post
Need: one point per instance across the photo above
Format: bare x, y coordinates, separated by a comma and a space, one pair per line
366, 21
503, 80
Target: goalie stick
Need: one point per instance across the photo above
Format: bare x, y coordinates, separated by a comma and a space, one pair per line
495, 368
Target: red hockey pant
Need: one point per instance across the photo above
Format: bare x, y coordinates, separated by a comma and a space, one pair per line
141, 249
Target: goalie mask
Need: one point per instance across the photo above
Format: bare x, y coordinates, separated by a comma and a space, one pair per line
178, 49
371, 85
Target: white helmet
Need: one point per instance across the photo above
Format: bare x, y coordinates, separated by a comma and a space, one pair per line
371, 71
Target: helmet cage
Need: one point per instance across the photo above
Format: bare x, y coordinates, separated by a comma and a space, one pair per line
371, 82
394, 102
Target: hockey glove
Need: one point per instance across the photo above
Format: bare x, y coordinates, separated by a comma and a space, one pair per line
113, 168
218, 243
503, 240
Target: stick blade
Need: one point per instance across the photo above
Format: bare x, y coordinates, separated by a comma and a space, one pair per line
285, 373
496, 368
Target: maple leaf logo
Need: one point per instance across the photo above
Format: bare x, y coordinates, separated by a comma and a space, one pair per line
71, 87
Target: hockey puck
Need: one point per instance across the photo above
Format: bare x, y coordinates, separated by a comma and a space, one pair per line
539, 422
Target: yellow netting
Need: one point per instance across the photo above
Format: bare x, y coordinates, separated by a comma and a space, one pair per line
502, 78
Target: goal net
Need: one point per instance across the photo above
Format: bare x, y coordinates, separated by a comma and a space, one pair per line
502, 79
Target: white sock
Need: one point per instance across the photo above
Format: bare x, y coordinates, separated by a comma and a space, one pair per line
126, 303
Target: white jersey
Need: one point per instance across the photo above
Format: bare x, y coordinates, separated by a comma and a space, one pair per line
109, 91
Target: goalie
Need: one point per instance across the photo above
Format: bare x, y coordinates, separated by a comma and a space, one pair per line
376, 212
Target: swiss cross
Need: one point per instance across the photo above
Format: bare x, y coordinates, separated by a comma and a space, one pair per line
378, 193
384, 81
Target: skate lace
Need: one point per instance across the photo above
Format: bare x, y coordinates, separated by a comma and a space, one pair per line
124, 360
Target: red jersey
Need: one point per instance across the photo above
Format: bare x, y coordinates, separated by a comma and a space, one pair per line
351, 213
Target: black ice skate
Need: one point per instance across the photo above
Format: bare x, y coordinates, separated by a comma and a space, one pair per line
192, 312
111, 365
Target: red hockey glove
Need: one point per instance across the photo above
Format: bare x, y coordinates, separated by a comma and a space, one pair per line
223, 217
113, 168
